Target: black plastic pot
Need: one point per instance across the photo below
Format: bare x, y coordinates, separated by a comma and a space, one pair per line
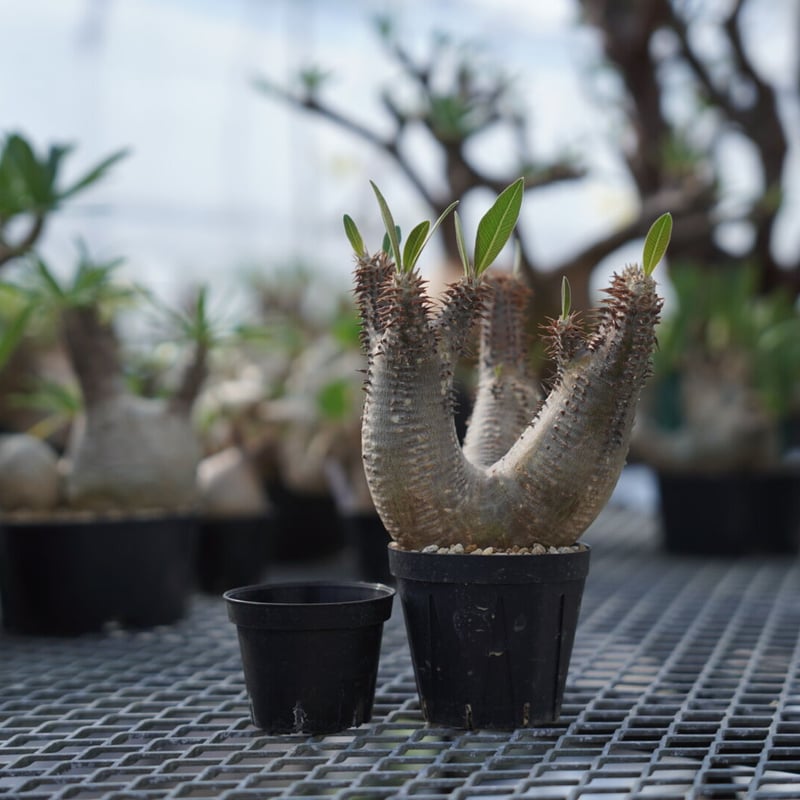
72, 576
306, 526
368, 539
491, 636
310, 652
735, 514
232, 551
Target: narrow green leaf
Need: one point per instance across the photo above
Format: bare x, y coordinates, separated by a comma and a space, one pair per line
516, 264
414, 244
92, 176
10, 337
432, 230
441, 219
566, 297
201, 306
462, 245
354, 236
49, 283
497, 225
29, 171
55, 156
391, 228
656, 243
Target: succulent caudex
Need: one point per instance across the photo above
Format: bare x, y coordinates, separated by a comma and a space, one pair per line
531, 470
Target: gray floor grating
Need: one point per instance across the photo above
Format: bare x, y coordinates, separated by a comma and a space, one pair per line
684, 683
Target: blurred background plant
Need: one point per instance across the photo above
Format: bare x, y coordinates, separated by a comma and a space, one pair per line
124, 452
725, 394
32, 189
685, 89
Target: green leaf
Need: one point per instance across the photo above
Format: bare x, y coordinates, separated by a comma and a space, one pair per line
334, 399
462, 245
11, 336
516, 264
656, 243
386, 242
414, 243
566, 298
497, 225
354, 236
30, 172
92, 175
312, 78
440, 220
392, 230
55, 156
431, 230
48, 280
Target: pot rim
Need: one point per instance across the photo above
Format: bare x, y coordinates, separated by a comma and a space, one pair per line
374, 607
414, 565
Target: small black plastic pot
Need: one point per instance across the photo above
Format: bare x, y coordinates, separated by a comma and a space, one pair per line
232, 551
310, 652
72, 576
491, 635
730, 514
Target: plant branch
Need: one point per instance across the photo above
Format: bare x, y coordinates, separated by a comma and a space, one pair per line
10, 251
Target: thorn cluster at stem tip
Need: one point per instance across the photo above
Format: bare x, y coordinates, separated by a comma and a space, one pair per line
532, 469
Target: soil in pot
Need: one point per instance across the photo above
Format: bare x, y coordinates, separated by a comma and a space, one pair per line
730, 514
491, 635
310, 652
232, 551
73, 575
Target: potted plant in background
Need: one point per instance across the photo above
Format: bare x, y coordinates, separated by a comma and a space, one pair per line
716, 421
31, 191
290, 396
485, 548
300, 342
116, 539
236, 515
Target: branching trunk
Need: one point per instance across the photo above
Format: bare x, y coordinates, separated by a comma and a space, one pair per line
524, 476
127, 453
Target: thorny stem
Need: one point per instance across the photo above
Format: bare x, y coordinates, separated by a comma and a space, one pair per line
94, 354
507, 394
524, 476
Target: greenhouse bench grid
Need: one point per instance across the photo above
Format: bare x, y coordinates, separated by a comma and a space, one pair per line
684, 683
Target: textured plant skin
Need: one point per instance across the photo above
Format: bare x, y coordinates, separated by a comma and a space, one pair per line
530, 471
127, 453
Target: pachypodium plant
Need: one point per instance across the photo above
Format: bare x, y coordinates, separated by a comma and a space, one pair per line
532, 469
126, 452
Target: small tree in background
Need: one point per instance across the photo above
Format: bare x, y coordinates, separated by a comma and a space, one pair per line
650, 46
671, 165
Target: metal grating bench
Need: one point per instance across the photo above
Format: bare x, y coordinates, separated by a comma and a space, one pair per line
684, 683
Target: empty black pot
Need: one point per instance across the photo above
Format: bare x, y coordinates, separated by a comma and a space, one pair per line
310, 652
491, 636
72, 576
